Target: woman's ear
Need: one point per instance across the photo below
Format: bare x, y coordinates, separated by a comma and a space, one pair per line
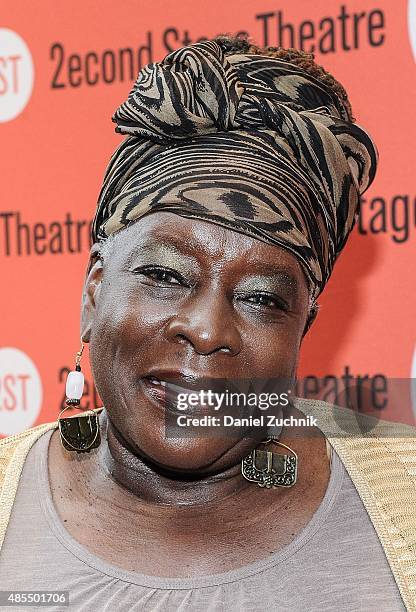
311, 318
91, 291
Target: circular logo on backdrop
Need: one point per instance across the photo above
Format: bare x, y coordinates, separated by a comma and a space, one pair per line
411, 24
20, 391
16, 74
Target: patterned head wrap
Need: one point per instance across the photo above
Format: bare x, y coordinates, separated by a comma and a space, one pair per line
250, 142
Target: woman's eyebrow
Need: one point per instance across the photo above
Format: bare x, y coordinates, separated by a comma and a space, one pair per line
157, 249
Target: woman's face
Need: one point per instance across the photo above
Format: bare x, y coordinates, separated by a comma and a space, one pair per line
170, 299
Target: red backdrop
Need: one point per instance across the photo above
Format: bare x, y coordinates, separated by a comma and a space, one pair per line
65, 67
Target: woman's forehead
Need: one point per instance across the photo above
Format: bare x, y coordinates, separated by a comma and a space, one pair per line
171, 235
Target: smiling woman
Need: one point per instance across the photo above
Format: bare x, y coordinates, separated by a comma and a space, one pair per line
196, 300
220, 219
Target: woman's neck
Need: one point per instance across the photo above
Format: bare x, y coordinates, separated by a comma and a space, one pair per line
151, 484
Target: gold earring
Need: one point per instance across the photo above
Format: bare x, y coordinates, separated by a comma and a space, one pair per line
79, 433
270, 469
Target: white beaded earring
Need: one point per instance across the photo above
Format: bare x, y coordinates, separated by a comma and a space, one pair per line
79, 433
75, 381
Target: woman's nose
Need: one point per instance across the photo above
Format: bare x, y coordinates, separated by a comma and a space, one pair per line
207, 322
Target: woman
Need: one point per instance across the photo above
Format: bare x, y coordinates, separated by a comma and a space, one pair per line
218, 225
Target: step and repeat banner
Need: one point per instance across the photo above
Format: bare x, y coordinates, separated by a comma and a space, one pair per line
65, 67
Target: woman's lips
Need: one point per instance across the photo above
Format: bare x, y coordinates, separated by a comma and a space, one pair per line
162, 393
159, 386
165, 395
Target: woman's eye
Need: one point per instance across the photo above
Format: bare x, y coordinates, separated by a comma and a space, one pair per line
164, 276
268, 301
161, 275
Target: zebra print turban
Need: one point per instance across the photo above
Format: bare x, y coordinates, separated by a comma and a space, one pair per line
249, 142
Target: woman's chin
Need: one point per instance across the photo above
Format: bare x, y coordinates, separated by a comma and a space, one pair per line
191, 455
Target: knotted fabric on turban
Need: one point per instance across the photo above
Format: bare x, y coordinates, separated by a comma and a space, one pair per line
250, 142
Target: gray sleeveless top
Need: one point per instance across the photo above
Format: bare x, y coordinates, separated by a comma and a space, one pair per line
335, 563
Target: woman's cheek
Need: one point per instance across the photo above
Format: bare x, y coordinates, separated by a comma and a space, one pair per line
126, 336
273, 352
